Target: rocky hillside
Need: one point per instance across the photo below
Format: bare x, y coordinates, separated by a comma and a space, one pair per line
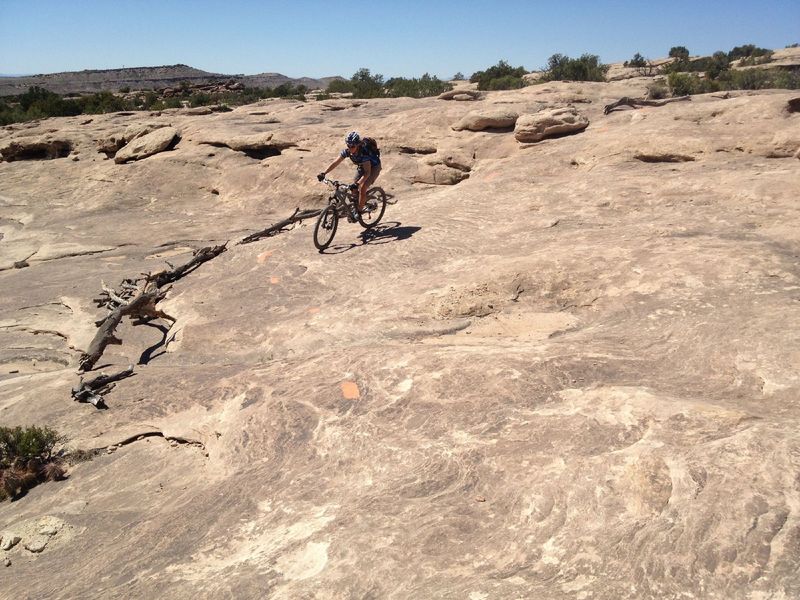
142, 78
565, 365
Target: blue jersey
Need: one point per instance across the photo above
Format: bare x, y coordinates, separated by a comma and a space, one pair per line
361, 156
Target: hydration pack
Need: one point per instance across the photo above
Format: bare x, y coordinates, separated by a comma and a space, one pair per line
371, 146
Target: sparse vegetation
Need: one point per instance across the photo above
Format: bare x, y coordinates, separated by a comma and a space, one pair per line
459, 76
423, 87
637, 61
679, 53
501, 76
363, 84
657, 90
39, 103
27, 458
714, 73
586, 68
748, 51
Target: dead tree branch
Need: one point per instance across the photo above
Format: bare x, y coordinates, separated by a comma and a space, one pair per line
296, 217
637, 103
202, 255
92, 391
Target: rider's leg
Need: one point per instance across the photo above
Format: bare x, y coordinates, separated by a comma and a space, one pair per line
373, 175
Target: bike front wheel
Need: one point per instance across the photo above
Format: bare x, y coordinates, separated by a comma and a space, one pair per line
325, 228
373, 209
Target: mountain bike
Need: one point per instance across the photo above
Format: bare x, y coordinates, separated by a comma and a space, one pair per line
342, 204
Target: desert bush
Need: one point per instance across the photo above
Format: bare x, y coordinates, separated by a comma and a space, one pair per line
747, 51
103, 102
422, 87
501, 76
657, 90
637, 61
761, 59
458, 76
586, 68
367, 85
340, 86
788, 80
686, 84
679, 52
201, 99
27, 457
749, 79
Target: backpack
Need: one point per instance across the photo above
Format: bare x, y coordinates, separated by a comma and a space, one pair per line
371, 146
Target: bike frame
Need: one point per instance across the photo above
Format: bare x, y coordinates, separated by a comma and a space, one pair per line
341, 196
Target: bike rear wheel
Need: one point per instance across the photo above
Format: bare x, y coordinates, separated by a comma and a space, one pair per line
374, 208
325, 228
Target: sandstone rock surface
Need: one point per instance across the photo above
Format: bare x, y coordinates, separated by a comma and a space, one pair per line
147, 145
574, 374
549, 123
487, 119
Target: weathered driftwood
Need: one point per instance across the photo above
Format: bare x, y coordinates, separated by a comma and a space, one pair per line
137, 299
162, 278
92, 391
636, 103
297, 216
143, 306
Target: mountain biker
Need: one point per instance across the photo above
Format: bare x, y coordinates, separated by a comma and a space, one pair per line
369, 165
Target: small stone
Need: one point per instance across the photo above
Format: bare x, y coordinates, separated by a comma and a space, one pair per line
480, 499
9, 541
48, 530
37, 544
111, 449
7, 561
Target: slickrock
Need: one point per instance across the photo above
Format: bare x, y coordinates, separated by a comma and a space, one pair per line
573, 374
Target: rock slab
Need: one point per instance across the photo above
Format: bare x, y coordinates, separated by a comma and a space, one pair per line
549, 123
147, 145
480, 120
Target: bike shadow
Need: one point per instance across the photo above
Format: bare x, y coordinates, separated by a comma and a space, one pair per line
383, 233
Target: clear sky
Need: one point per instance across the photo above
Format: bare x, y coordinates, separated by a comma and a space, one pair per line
317, 38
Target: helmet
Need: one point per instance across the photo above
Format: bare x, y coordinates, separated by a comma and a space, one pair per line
352, 139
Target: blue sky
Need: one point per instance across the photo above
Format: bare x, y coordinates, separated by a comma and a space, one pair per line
405, 39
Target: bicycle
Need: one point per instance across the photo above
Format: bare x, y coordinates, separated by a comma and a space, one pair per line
342, 204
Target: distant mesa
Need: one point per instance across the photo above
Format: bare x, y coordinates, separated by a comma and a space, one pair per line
144, 78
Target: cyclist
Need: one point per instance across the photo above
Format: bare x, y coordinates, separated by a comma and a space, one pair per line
368, 162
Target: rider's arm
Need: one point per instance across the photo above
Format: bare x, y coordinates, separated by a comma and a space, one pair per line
333, 165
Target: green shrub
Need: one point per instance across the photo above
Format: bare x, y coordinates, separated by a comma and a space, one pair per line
458, 76
747, 51
787, 80
340, 86
423, 87
201, 99
637, 61
748, 79
679, 52
501, 76
657, 90
367, 85
586, 68
686, 84
27, 457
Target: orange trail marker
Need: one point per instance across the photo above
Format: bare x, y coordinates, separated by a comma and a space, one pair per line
350, 390
262, 258
274, 279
